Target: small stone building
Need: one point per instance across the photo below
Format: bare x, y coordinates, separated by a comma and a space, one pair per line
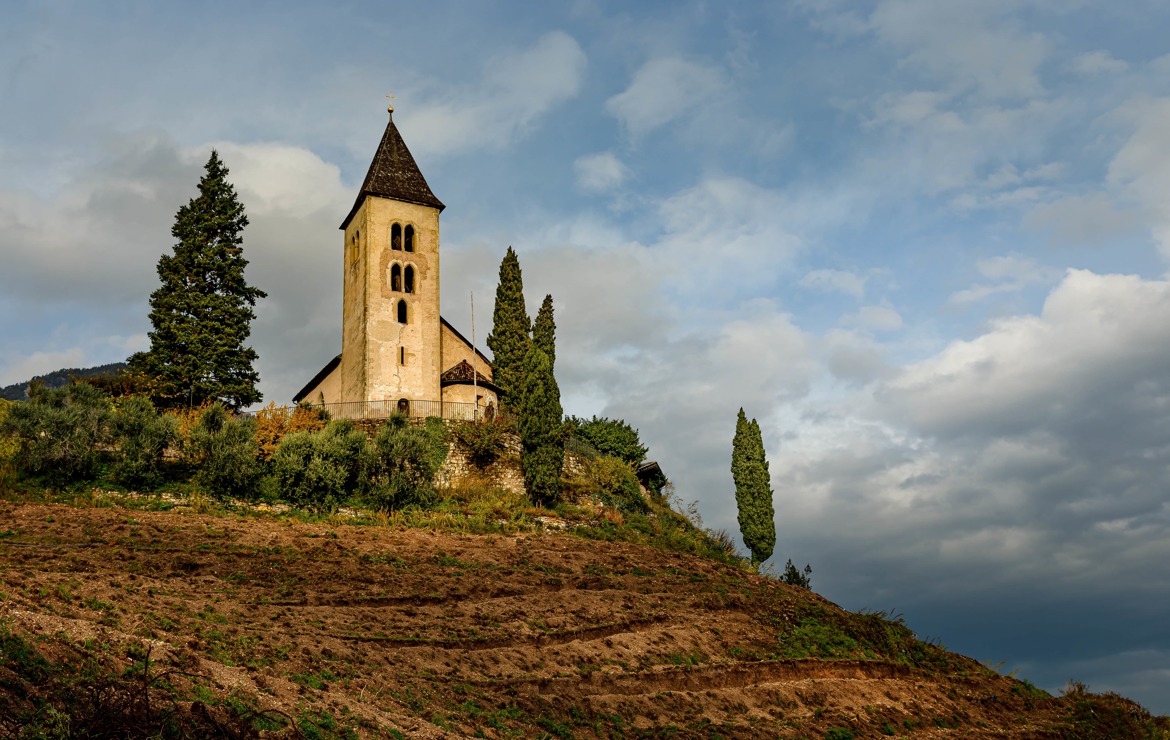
397, 352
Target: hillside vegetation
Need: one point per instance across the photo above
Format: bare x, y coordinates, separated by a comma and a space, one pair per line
153, 616
59, 378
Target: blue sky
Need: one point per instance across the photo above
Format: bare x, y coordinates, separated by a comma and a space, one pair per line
923, 242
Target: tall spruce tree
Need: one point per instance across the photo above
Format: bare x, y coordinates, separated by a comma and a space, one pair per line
202, 311
544, 332
753, 489
509, 339
542, 455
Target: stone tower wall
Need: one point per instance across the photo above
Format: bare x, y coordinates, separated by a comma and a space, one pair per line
381, 358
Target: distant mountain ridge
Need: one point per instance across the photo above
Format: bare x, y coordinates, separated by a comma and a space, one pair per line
58, 378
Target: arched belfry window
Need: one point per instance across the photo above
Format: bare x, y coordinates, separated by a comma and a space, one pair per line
402, 312
396, 236
410, 238
408, 278
396, 277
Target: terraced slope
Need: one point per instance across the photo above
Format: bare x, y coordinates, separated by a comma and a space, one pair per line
258, 623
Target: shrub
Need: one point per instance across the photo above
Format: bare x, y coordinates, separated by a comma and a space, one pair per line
141, 435
612, 437
723, 540
484, 439
59, 432
404, 461
274, 422
223, 448
9, 444
794, 577
321, 469
613, 481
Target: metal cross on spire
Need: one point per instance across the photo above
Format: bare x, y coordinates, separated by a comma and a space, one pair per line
390, 107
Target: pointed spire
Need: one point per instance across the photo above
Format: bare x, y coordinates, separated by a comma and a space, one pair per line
393, 174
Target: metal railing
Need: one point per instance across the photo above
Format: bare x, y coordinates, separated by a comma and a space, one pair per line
582, 448
412, 408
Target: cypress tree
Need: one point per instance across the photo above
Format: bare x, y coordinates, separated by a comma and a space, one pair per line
202, 311
509, 339
753, 489
542, 455
544, 331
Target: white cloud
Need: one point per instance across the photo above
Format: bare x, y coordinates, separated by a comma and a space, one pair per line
727, 237
965, 44
1095, 220
600, 172
277, 179
1012, 272
663, 89
1029, 462
517, 89
1094, 63
1142, 165
1095, 331
841, 281
877, 318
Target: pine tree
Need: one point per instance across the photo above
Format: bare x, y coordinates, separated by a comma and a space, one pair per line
753, 489
542, 454
202, 311
509, 339
544, 331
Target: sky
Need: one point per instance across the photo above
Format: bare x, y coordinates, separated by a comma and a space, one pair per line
925, 243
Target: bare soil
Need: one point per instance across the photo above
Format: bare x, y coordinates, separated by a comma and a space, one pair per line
392, 632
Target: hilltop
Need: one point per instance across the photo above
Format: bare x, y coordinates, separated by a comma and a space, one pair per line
59, 378
244, 623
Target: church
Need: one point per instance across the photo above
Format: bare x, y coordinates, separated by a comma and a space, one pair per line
397, 352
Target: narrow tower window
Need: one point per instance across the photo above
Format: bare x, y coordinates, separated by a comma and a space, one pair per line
402, 312
408, 282
396, 236
402, 355
410, 238
396, 277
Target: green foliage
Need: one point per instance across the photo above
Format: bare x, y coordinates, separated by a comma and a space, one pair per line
794, 577
830, 634
509, 339
59, 432
224, 449
97, 697
9, 444
405, 459
838, 733
613, 481
612, 437
753, 489
141, 434
542, 454
321, 469
202, 312
544, 332
483, 438
818, 639
1105, 717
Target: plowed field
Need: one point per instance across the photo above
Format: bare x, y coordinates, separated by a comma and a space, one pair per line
397, 632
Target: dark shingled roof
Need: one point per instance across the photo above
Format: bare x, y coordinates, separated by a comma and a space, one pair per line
394, 174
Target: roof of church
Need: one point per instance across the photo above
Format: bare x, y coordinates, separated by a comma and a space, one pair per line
320, 376
394, 174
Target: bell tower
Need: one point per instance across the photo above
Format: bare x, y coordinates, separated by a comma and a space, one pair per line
391, 335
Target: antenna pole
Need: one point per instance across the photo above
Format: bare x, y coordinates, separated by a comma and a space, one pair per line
474, 361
